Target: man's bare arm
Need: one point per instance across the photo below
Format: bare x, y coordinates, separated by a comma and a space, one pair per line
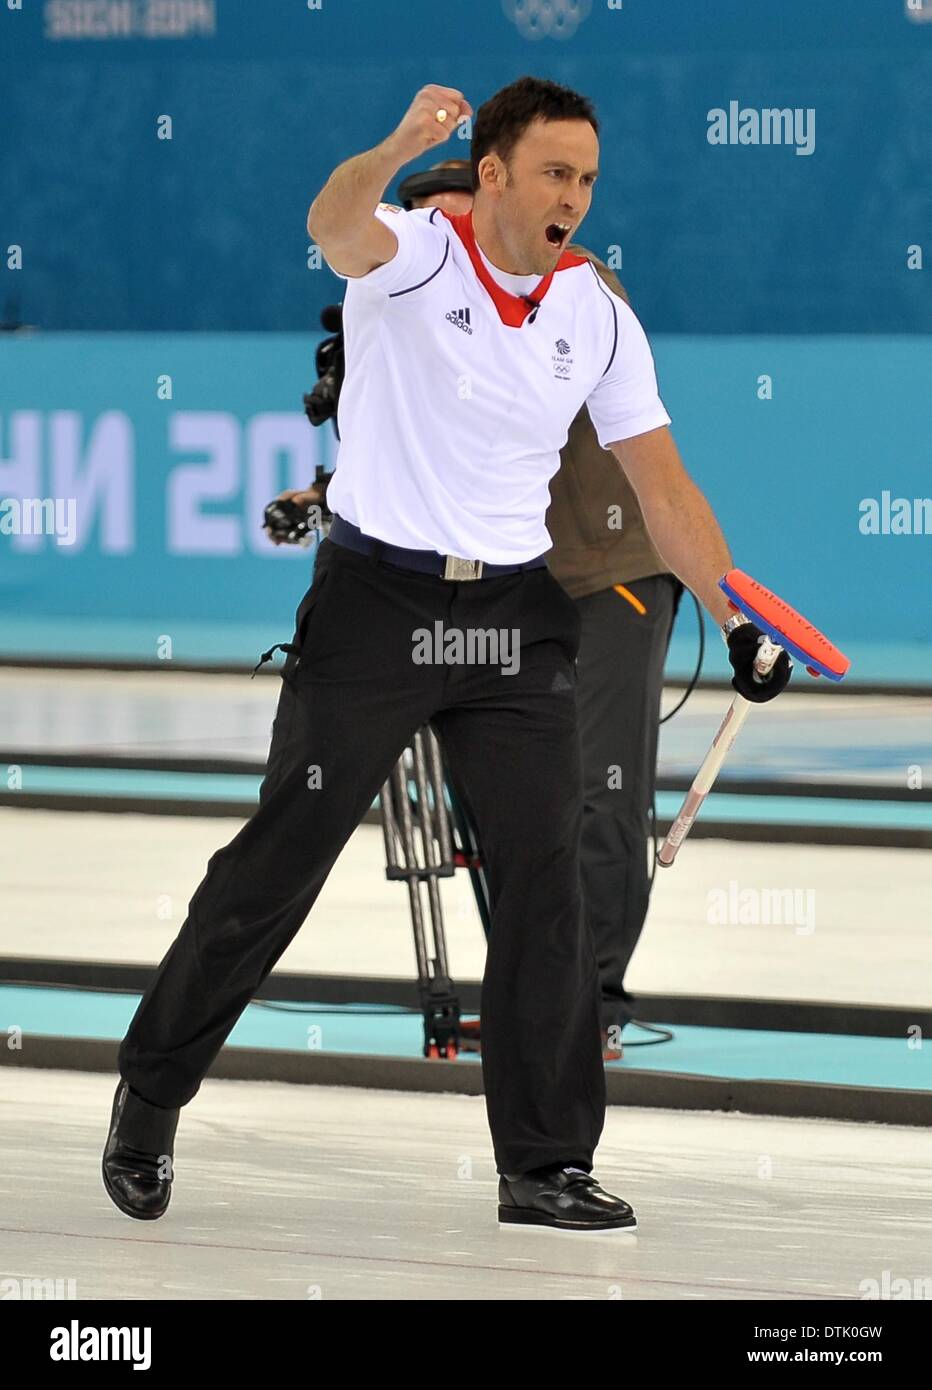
342, 218
680, 521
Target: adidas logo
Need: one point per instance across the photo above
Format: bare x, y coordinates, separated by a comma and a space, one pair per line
461, 318
560, 683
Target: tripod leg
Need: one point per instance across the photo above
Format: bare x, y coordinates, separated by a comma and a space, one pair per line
407, 817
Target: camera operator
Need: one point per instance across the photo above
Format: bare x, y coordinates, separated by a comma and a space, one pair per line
627, 599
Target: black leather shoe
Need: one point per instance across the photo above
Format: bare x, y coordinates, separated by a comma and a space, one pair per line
569, 1200
137, 1161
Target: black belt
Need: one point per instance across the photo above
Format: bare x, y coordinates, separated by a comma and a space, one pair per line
344, 533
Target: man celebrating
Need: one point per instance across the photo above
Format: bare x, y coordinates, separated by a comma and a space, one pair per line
471, 343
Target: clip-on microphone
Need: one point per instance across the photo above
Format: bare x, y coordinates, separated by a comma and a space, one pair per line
535, 305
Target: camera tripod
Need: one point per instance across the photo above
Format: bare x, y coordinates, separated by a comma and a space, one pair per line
429, 833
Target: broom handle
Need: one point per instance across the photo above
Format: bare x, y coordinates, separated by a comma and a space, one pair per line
728, 731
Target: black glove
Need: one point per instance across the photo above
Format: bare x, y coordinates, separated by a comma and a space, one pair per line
743, 642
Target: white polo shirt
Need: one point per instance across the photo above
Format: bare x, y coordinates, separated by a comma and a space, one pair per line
458, 395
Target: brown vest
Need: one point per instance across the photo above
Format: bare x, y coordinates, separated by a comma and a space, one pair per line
590, 552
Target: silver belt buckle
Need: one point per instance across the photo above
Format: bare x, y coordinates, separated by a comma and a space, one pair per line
458, 568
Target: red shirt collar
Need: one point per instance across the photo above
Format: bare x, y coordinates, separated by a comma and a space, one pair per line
512, 309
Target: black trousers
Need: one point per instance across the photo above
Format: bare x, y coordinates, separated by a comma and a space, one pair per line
352, 697
620, 669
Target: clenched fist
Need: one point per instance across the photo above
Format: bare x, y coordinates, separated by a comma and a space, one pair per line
420, 129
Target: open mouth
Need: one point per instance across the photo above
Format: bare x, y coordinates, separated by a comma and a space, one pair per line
558, 233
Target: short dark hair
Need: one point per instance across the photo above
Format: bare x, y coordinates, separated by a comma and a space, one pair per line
502, 120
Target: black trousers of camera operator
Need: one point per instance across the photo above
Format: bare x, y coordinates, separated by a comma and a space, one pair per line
620, 669
351, 699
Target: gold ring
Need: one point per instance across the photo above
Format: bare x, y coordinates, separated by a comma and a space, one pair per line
441, 115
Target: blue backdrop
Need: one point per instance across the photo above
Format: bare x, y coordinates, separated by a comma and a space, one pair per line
169, 492
122, 230
743, 261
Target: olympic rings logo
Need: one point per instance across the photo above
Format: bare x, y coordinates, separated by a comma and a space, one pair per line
554, 19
